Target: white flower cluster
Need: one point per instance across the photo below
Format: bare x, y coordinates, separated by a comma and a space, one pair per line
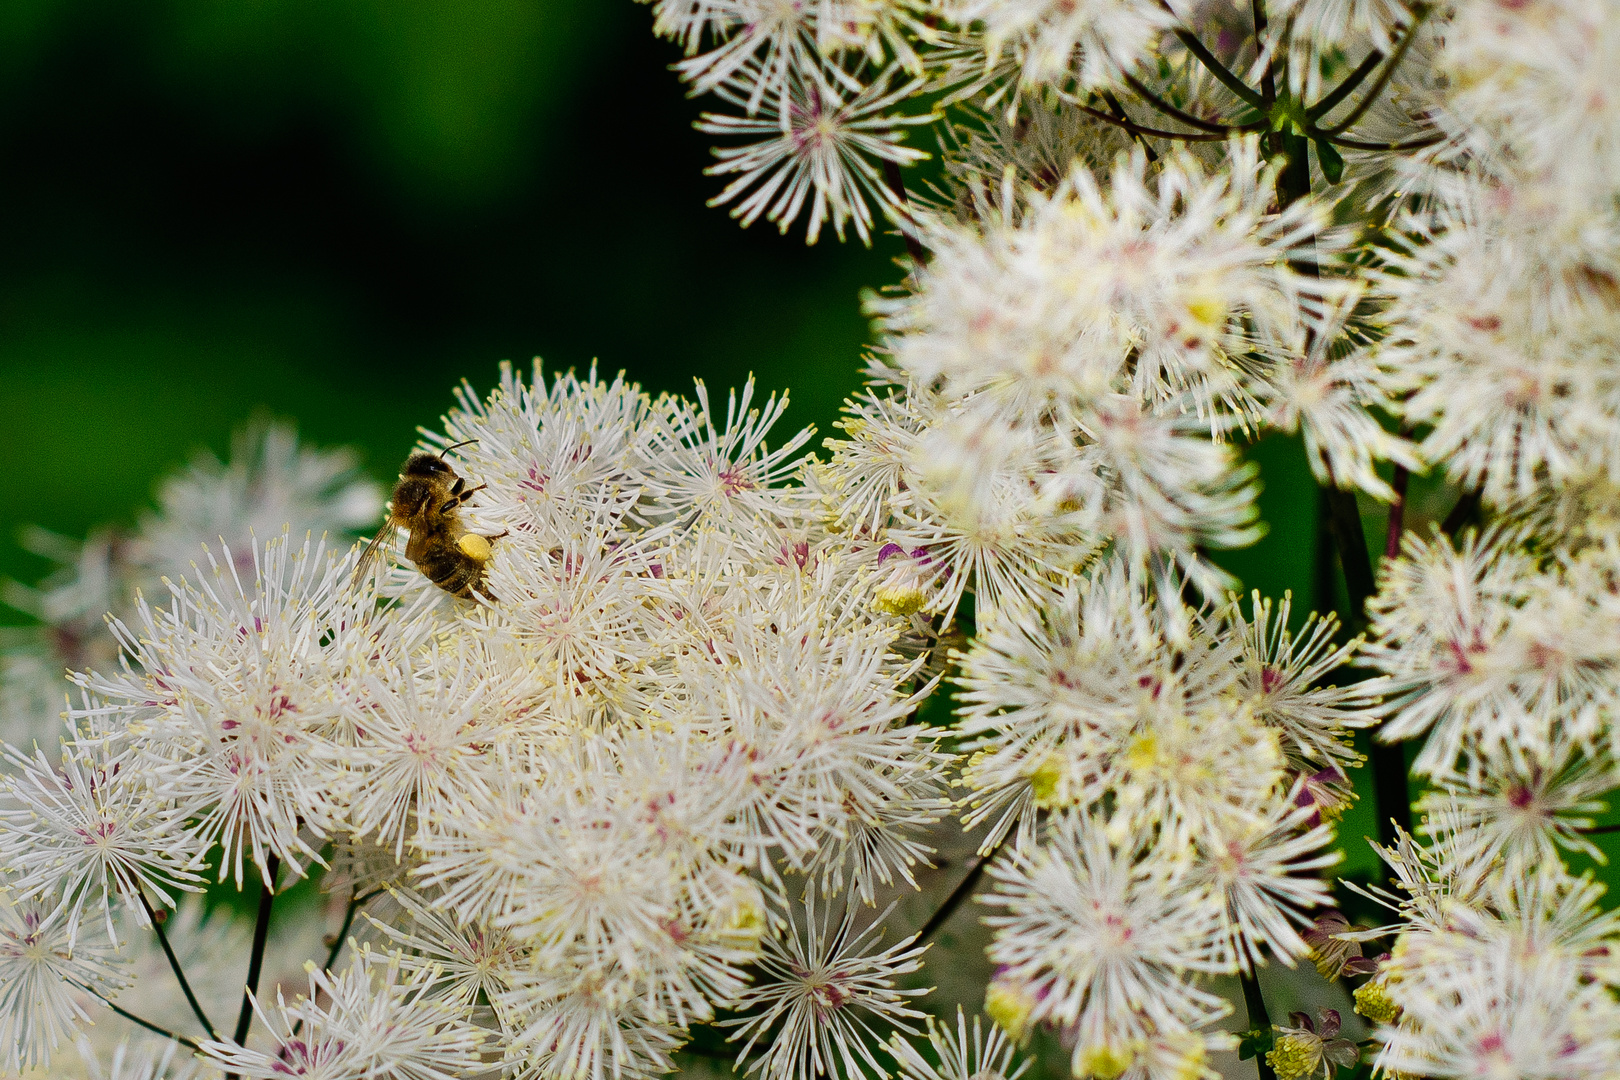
269, 483
650, 778
1164, 229
573, 807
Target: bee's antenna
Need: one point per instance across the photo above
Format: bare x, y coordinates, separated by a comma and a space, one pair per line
452, 446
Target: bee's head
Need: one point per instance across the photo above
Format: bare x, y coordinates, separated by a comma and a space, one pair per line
423, 463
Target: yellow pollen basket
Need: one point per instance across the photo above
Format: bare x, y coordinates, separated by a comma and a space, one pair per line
474, 547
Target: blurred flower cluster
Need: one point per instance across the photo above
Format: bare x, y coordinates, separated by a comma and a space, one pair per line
658, 782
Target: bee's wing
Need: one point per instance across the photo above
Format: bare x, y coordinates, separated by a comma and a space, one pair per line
368, 557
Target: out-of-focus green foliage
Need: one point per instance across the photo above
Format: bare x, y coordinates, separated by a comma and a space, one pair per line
448, 103
338, 210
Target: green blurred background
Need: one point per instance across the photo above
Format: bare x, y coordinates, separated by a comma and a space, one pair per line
336, 211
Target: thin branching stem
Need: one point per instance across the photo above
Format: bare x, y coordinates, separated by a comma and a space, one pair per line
1119, 110
1259, 1018
1154, 133
1330, 101
261, 936
964, 889
1394, 147
174, 965
189, 1043
1242, 90
1419, 13
1163, 106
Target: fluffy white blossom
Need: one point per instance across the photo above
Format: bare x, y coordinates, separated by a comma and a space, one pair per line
44, 972
821, 990
373, 1020
670, 769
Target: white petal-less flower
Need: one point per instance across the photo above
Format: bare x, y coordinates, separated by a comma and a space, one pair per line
820, 991
469, 963
1523, 815
1155, 287
1510, 995
1106, 939
1058, 42
232, 686
42, 974
814, 143
1498, 656
960, 1056
569, 1023
1266, 876
722, 471
90, 827
372, 1021
1284, 675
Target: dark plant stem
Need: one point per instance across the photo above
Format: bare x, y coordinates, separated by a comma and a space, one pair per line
1268, 79
1466, 510
1331, 99
1387, 147
261, 935
1259, 1019
908, 230
1419, 13
1187, 118
183, 1040
1119, 111
174, 965
1599, 830
1390, 788
964, 889
1397, 513
1139, 130
355, 903
1241, 90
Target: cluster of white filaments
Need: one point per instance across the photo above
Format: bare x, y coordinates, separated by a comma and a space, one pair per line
659, 788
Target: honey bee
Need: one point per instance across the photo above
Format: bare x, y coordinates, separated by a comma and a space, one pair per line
427, 501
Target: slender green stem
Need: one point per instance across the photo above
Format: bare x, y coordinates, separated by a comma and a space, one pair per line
1466, 510
183, 1040
1119, 110
261, 936
1239, 88
964, 889
908, 230
356, 901
1138, 129
1330, 101
1394, 147
174, 965
1259, 1019
1147, 95
1420, 12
